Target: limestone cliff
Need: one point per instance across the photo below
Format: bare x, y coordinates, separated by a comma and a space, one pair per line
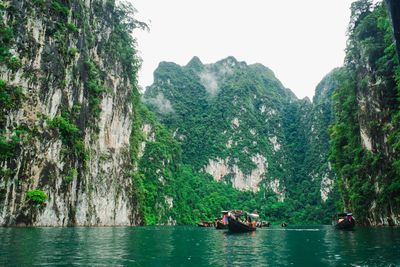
320, 118
365, 136
69, 70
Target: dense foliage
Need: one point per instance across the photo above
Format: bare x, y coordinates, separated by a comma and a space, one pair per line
229, 110
365, 136
36, 196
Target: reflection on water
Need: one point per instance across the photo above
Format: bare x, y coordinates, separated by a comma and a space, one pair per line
192, 246
364, 247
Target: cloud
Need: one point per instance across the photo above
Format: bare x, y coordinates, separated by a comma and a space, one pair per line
209, 81
162, 104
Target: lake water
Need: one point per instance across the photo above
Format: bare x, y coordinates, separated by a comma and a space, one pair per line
192, 246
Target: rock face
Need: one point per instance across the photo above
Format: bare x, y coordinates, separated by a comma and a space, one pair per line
238, 123
220, 168
365, 136
68, 131
321, 118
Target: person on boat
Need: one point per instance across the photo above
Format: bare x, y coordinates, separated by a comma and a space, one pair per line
341, 219
225, 219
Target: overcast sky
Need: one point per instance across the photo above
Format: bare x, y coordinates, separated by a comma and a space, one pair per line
301, 41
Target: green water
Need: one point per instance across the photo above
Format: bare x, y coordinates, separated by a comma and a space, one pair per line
192, 246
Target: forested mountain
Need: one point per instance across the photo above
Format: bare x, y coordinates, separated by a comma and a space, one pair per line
365, 136
239, 124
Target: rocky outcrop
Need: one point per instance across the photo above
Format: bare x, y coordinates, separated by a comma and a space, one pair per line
220, 168
365, 134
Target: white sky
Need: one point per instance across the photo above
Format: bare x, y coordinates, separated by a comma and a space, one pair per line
301, 41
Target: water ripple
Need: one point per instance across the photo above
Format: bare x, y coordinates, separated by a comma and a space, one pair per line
191, 246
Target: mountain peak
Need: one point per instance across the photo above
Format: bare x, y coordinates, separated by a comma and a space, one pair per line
229, 60
195, 63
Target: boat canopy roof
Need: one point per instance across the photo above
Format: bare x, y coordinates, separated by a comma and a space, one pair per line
253, 215
242, 213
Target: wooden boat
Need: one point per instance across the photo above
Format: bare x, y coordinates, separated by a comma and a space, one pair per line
205, 224
242, 222
263, 224
345, 221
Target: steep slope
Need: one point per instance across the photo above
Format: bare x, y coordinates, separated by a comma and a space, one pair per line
365, 136
319, 120
227, 123
69, 100
239, 124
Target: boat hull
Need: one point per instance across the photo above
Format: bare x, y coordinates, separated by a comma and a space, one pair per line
239, 227
221, 226
346, 224
263, 224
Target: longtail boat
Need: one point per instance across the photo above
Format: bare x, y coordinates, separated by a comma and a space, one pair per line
241, 221
205, 224
345, 221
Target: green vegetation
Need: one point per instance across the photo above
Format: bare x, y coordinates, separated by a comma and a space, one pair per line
36, 196
198, 197
366, 102
70, 134
6, 39
121, 46
95, 87
71, 175
59, 8
14, 63
72, 27
11, 98
72, 51
229, 110
39, 3
9, 148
